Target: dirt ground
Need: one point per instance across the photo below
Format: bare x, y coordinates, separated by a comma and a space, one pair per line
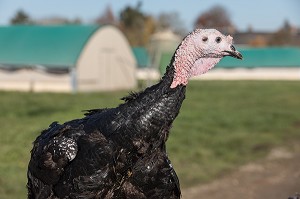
276, 177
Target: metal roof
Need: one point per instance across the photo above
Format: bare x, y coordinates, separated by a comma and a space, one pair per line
50, 46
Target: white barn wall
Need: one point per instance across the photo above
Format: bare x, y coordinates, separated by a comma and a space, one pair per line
34, 80
106, 62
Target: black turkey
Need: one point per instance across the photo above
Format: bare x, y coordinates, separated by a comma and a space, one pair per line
120, 152
297, 196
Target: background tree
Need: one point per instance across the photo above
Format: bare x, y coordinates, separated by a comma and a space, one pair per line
149, 29
21, 17
258, 41
171, 21
107, 17
283, 36
133, 23
57, 20
217, 17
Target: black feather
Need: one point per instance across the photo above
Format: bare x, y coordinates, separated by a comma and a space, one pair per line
94, 111
132, 96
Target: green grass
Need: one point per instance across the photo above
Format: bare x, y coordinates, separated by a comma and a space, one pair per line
222, 124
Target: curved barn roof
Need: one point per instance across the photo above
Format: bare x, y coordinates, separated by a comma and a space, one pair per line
51, 46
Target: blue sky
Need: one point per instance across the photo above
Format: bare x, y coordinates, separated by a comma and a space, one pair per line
262, 15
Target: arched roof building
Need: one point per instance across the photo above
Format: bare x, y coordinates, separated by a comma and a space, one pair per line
65, 58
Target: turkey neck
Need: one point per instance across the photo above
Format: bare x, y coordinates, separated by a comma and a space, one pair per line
153, 110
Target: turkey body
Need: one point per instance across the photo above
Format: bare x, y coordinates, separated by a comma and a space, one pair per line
120, 152
110, 153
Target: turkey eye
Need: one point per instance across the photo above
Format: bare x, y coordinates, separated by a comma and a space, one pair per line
218, 39
204, 39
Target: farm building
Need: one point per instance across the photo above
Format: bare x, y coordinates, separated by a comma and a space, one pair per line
65, 58
164, 41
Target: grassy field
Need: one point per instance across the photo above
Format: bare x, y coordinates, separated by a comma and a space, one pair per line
222, 124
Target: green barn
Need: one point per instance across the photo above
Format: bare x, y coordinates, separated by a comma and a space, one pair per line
65, 58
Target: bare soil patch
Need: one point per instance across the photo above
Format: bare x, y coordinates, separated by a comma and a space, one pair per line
276, 176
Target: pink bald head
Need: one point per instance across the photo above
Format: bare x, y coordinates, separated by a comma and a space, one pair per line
200, 51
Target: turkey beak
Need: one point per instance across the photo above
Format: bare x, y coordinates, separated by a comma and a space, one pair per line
234, 53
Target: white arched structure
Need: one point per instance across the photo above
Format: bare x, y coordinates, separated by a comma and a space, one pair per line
106, 62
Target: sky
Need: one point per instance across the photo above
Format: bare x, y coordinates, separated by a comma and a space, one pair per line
261, 15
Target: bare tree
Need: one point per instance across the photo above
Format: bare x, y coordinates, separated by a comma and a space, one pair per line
107, 17
283, 36
171, 21
258, 41
21, 17
57, 20
216, 17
